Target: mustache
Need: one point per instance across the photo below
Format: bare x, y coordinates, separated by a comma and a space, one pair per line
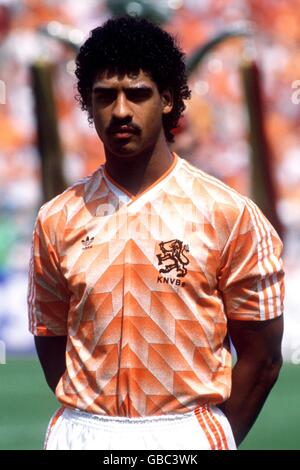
119, 126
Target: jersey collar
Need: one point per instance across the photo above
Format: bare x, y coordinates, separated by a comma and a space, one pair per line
154, 187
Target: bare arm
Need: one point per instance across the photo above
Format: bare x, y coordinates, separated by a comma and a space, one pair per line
51, 351
258, 347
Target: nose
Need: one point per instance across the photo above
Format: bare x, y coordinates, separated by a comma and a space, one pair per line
121, 109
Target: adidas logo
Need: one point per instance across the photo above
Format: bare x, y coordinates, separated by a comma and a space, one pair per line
87, 243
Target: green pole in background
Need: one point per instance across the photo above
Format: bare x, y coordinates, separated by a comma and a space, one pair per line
263, 185
48, 140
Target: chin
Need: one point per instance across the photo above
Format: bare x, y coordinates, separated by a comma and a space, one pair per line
124, 152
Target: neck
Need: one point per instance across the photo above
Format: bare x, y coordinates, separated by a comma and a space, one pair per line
137, 173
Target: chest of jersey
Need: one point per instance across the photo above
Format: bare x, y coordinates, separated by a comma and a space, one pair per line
167, 246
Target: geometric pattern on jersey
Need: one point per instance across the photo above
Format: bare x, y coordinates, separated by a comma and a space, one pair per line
143, 287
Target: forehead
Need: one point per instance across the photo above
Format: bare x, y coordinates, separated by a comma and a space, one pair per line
112, 79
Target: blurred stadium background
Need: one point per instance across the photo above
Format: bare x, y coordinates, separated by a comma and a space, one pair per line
242, 125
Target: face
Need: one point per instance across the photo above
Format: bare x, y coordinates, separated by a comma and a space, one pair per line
127, 111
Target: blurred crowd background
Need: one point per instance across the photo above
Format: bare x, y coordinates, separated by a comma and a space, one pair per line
214, 134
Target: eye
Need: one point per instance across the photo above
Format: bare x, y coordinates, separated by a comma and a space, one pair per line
138, 94
105, 97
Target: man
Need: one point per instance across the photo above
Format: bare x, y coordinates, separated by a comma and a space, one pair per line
141, 272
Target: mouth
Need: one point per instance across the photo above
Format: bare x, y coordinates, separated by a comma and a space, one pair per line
123, 132
122, 135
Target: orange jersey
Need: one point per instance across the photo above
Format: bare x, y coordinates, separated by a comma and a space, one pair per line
143, 287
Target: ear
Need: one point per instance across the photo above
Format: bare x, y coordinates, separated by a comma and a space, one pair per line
167, 101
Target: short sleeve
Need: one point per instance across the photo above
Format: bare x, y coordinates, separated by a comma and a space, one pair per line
48, 296
251, 278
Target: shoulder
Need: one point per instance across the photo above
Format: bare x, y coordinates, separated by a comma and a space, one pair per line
55, 215
226, 209
73, 197
213, 193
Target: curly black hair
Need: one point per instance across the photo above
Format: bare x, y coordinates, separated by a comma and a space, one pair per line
129, 44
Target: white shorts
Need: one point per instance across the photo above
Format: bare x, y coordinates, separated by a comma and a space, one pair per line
203, 429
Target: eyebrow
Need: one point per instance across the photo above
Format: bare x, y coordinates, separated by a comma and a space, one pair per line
103, 88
